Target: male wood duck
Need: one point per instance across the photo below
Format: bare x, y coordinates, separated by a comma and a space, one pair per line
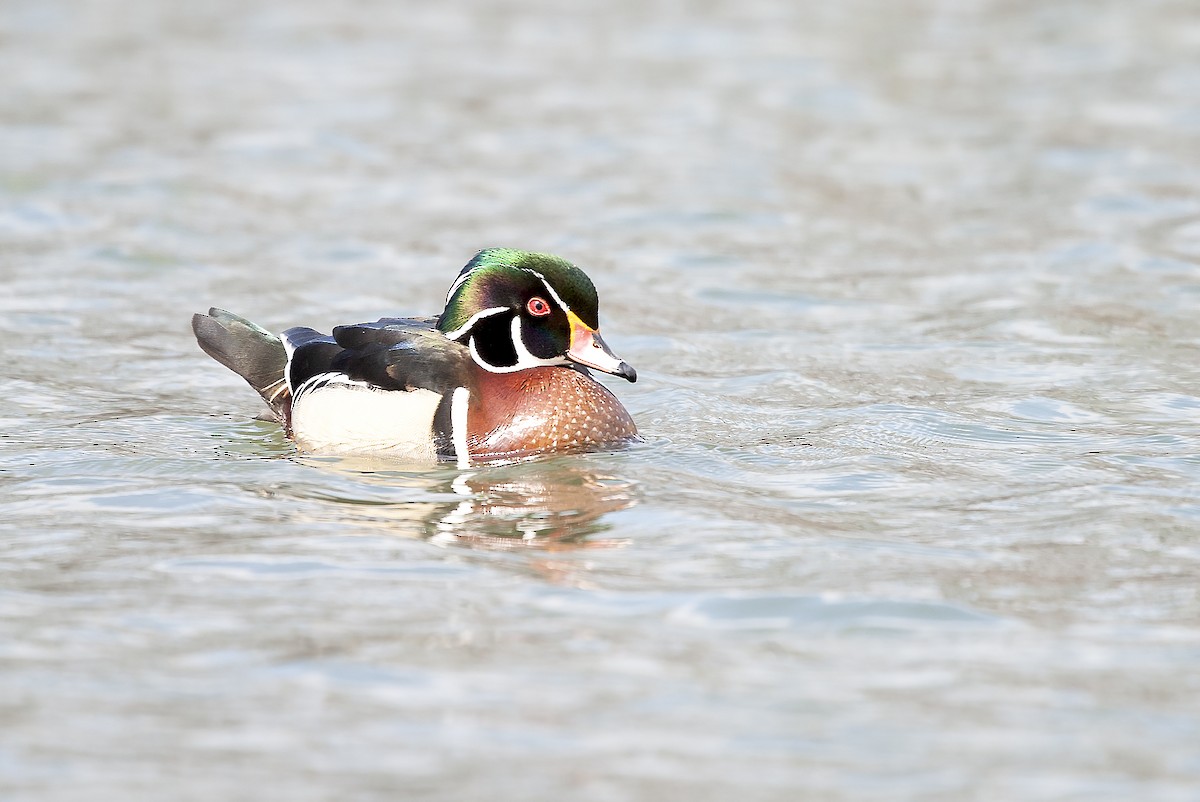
500, 375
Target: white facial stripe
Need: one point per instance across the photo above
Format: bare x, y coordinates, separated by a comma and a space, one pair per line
462, 278
475, 318
524, 358
557, 298
458, 282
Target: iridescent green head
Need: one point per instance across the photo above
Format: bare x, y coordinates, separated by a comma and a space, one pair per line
517, 310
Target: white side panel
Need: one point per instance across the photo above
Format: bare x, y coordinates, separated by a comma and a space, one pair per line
345, 419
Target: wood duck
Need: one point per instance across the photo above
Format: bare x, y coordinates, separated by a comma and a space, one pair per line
500, 375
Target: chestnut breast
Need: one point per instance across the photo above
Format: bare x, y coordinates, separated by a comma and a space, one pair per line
543, 410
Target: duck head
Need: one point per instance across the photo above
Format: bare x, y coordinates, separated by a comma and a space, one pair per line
516, 310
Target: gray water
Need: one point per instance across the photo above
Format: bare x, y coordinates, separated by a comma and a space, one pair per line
912, 290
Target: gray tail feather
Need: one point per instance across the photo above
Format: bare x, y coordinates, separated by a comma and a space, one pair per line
253, 353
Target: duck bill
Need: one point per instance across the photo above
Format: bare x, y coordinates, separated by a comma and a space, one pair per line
588, 349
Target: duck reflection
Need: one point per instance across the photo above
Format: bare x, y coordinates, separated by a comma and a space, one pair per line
561, 502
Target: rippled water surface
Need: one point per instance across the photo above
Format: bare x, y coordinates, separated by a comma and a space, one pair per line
912, 289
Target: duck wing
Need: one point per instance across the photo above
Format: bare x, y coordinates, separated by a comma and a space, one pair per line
401, 354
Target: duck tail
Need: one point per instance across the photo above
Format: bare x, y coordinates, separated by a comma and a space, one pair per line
250, 351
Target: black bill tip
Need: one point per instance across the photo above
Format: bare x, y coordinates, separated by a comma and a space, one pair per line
626, 371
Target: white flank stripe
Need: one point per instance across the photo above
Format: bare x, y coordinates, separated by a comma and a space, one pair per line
459, 403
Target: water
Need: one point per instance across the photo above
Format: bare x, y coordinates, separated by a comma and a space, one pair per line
911, 288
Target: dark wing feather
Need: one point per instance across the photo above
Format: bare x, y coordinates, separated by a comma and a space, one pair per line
401, 354
312, 353
387, 331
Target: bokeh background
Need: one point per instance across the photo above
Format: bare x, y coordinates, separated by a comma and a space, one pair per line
911, 287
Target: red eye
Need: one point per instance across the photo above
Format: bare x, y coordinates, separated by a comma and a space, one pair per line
538, 307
